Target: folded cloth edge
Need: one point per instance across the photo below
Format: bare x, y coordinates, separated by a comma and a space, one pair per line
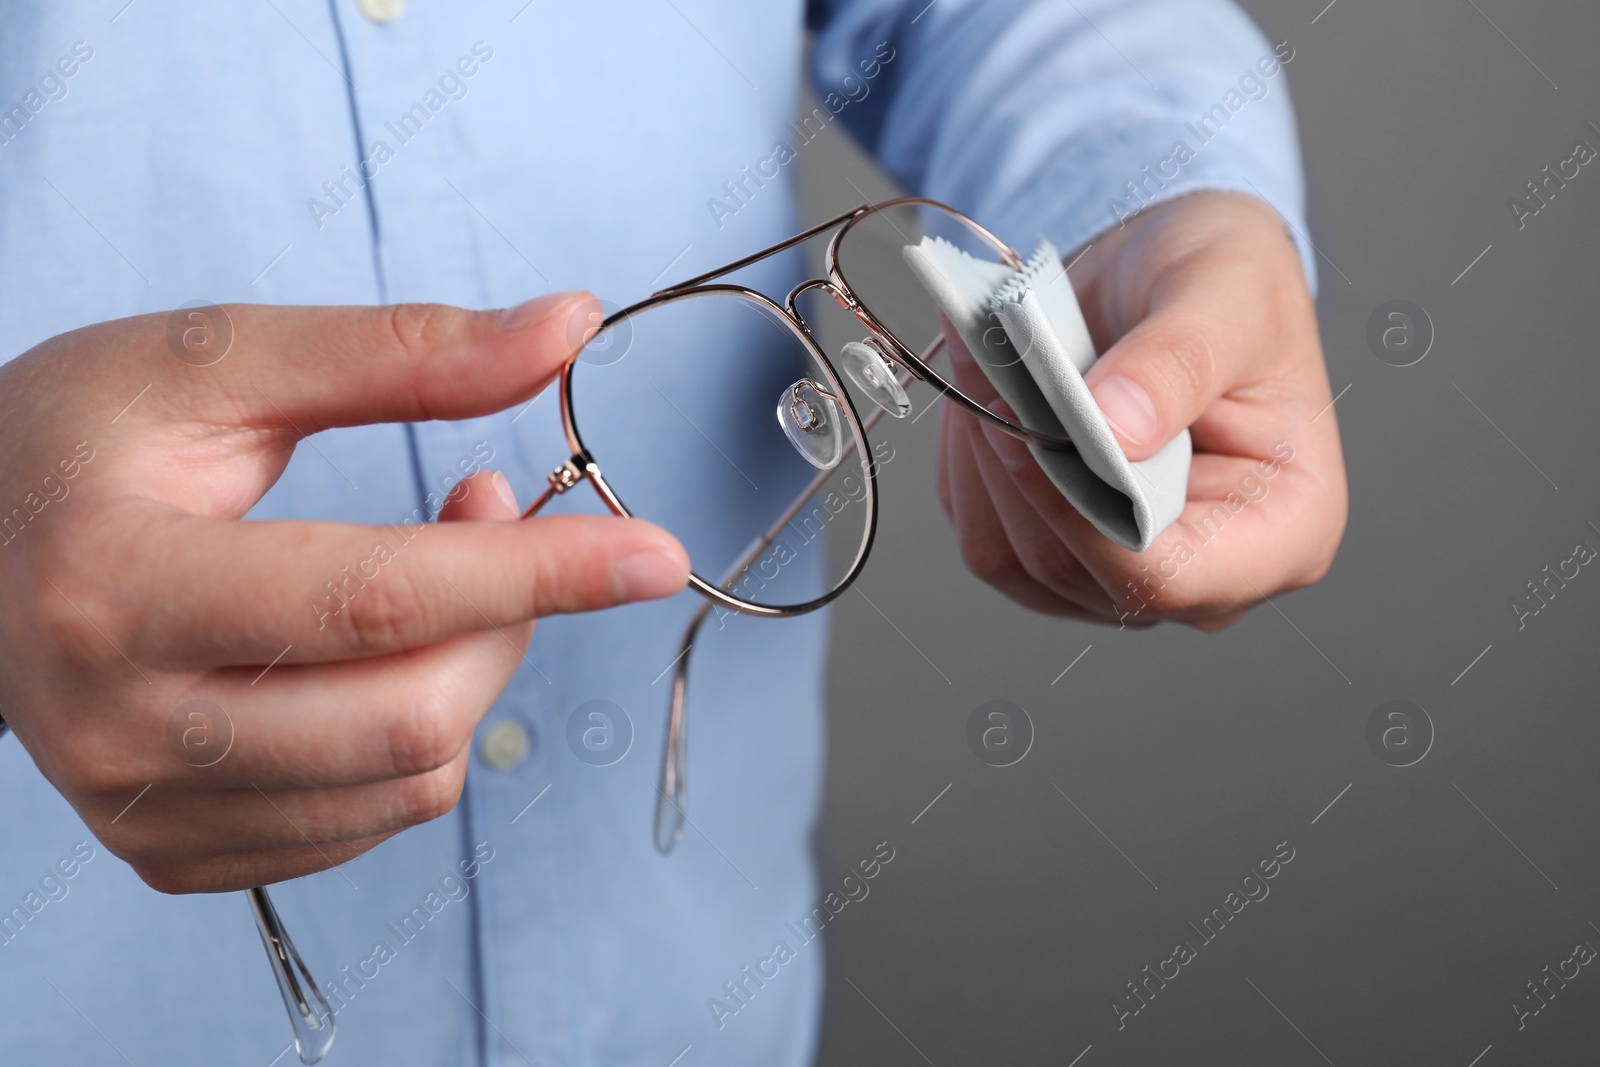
1037, 367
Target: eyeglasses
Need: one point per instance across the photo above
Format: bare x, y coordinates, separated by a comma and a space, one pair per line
677, 386
677, 394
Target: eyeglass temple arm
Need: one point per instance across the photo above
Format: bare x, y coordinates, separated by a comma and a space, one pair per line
301, 995
309, 1011
313, 1032
672, 793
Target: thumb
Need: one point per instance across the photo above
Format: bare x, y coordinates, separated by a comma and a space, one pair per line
1162, 375
644, 565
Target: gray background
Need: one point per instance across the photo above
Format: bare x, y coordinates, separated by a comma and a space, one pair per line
1420, 903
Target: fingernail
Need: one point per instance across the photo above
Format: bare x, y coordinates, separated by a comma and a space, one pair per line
532, 312
1014, 455
503, 490
649, 576
1127, 407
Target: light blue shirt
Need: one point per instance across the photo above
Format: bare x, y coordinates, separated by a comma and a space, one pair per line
478, 153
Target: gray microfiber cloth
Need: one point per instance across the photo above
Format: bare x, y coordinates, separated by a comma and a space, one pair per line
1036, 363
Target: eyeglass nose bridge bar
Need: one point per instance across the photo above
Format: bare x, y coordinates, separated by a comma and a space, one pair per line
902, 357
886, 345
916, 365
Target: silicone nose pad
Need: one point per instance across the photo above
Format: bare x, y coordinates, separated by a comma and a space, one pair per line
811, 421
873, 375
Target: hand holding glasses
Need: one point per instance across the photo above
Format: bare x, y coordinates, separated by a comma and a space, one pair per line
717, 415
726, 424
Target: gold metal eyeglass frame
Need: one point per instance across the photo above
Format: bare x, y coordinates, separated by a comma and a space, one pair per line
582, 466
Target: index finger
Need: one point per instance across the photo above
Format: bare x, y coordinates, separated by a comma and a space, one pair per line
306, 369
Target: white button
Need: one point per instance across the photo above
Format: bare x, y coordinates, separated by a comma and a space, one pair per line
504, 745
382, 10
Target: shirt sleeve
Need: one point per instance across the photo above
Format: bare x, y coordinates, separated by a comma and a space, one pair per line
1064, 118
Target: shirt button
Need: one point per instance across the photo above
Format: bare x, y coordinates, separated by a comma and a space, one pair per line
504, 745
382, 10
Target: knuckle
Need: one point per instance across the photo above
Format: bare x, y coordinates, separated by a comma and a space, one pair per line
137, 850
431, 796
1190, 366
991, 560
1058, 571
1320, 561
163, 878
1316, 569
422, 740
84, 768
418, 328
178, 877
76, 620
117, 840
1178, 598
386, 613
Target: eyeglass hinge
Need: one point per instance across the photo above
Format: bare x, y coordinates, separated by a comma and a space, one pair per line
571, 472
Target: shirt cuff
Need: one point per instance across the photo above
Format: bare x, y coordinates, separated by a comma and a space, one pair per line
1082, 195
